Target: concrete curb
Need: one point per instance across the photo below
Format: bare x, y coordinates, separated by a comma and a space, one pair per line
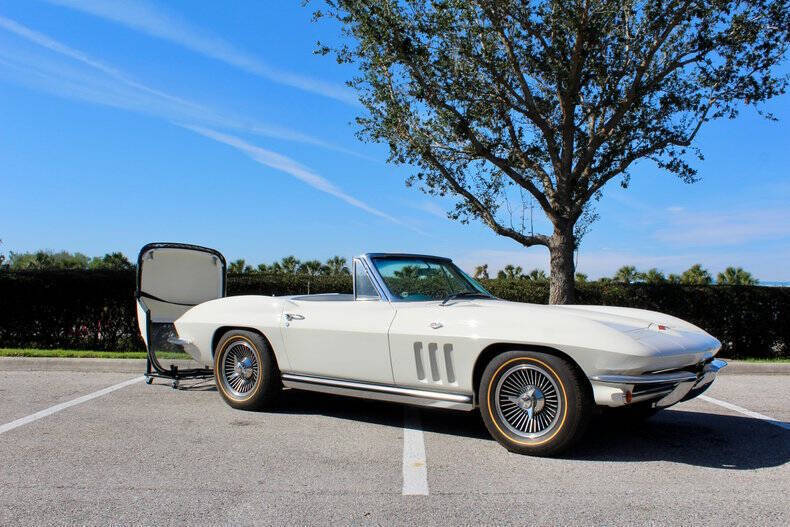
734, 367
83, 365
739, 367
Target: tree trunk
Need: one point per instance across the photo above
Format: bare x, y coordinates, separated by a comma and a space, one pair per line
561, 284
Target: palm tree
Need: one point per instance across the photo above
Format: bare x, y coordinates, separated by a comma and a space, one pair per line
311, 268
581, 278
736, 276
481, 271
537, 275
337, 265
695, 275
237, 266
510, 272
274, 268
627, 274
653, 276
289, 264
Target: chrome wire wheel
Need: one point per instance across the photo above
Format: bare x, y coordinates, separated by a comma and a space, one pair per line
240, 369
527, 401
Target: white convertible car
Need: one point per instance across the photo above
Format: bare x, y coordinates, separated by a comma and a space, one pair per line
418, 330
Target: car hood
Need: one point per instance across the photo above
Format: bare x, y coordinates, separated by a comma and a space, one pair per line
629, 330
627, 319
622, 319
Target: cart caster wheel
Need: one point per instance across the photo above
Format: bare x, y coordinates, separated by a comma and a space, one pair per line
175, 385
148, 380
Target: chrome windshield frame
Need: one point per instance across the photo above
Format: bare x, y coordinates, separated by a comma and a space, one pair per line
370, 270
381, 285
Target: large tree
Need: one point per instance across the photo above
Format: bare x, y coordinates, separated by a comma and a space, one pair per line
501, 100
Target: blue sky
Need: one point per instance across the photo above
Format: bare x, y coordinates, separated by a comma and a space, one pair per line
214, 123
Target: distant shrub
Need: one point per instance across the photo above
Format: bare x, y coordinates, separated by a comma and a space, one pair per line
95, 309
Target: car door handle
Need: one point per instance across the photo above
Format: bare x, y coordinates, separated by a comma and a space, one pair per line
436, 325
293, 316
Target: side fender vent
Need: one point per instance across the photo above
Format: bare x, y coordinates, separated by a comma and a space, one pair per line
440, 362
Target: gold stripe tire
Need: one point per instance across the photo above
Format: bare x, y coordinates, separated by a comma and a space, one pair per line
245, 370
534, 403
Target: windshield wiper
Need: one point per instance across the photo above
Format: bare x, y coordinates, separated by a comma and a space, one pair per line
464, 294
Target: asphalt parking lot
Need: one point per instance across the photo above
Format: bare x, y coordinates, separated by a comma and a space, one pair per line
149, 454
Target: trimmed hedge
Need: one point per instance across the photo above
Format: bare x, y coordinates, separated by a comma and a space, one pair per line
96, 309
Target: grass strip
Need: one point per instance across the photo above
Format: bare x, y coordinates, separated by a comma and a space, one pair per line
87, 354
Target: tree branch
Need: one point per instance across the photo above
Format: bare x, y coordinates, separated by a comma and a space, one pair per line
533, 113
482, 210
632, 94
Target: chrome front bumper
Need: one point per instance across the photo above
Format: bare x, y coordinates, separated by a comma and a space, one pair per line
665, 388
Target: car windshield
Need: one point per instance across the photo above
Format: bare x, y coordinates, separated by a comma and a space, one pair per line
423, 279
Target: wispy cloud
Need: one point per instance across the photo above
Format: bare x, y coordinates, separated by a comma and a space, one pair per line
289, 166
126, 92
731, 223
431, 208
157, 22
58, 47
723, 228
114, 88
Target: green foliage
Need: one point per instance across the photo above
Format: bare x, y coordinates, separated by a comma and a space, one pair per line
538, 275
40, 260
312, 268
48, 260
87, 354
581, 278
498, 102
334, 266
70, 309
289, 264
735, 276
239, 266
481, 271
696, 275
79, 309
275, 284
337, 265
627, 274
653, 276
111, 262
510, 272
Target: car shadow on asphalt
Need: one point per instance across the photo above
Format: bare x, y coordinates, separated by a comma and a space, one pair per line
451, 422
694, 438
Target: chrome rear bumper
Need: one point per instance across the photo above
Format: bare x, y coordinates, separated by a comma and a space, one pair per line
666, 388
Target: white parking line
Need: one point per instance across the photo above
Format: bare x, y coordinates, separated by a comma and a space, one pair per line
744, 411
415, 468
68, 404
